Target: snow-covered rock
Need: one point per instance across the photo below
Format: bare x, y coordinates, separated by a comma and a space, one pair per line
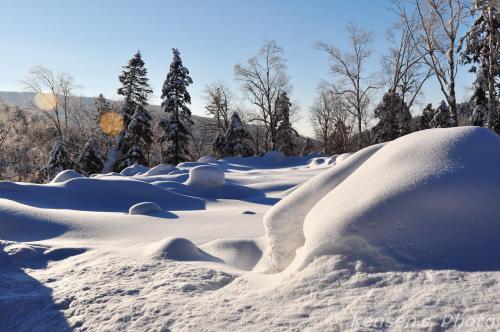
162, 169
134, 170
179, 249
206, 175
144, 208
66, 175
426, 200
207, 160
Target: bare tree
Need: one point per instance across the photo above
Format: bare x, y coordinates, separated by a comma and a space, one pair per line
219, 102
349, 67
403, 65
52, 95
434, 27
263, 78
327, 109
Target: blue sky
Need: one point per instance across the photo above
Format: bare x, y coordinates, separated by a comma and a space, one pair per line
92, 40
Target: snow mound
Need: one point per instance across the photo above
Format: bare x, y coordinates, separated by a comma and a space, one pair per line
426, 200
162, 169
317, 162
284, 221
66, 175
144, 208
134, 170
207, 160
243, 254
206, 176
179, 249
276, 156
342, 157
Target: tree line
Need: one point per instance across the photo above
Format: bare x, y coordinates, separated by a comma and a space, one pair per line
430, 39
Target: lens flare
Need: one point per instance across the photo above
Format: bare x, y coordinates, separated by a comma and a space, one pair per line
111, 123
45, 101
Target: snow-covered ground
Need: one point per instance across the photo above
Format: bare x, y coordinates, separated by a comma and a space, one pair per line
402, 235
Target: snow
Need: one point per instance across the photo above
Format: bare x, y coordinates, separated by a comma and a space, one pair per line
144, 208
426, 200
162, 169
397, 236
134, 170
207, 160
284, 221
205, 176
65, 176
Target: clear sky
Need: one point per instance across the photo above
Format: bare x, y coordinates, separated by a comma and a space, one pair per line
93, 39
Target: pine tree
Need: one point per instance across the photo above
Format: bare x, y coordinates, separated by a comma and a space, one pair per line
285, 131
59, 160
307, 148
442, 118
237, 141
137, 139
394, 118
90, 160
178, 123
135, 87
483, 49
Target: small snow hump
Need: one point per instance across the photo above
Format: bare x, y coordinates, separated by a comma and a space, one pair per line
179, 249
66, 175
144, 208
206, 176
207, 160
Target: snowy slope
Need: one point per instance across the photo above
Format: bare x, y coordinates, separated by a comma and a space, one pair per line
399, 236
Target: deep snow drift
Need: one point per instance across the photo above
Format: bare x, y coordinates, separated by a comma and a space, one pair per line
405, 229
426, 200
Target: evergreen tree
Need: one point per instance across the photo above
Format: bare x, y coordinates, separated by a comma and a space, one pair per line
483, 51
442, 118
340, 137
479, 101
236, 142
394, 118
90, 160
59, 160
137, 139
285, 132
307, 148
178, 123
427, 115
218, 145
135, 87
102, 105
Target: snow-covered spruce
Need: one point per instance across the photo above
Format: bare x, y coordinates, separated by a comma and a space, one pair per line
137, 139
285, 133
236, 142
90, 159
177, 124
59, 160
394, 118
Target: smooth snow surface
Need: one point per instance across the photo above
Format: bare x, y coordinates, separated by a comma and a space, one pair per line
399, 236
